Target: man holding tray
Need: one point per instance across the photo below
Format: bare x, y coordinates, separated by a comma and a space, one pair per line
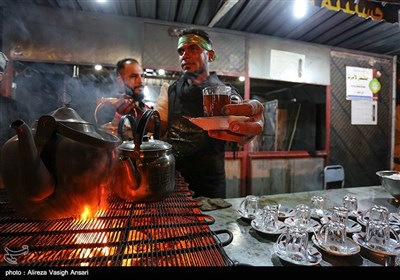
200, 154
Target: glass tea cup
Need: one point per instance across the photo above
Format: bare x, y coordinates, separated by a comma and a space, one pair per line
269, 217
104, 101
216, 97
295, 243
333, 235
378, 235
302, 216
378, 230
249, 207
340, 214
318, 204
378, 213
350, 202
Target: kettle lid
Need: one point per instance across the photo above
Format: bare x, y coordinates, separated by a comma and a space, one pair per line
67, 115
147, 145
71, 125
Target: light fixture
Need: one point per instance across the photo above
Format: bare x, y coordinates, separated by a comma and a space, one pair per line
300, 8
161, 72
241, 78
75, 74
98, 67
150, 72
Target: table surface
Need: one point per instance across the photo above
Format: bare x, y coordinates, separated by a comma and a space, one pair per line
254, 248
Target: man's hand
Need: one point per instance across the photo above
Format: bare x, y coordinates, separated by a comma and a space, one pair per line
242, 131
128, 106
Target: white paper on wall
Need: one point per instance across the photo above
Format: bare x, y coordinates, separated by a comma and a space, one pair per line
287, 66
364, 112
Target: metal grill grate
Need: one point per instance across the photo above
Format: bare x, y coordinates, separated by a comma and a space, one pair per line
171, 232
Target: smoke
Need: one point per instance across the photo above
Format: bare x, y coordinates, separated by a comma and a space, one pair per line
44, 87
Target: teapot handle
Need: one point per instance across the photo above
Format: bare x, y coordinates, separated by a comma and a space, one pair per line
121, 123
46, 126
141, 128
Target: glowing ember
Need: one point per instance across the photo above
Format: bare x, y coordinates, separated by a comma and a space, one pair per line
98, 236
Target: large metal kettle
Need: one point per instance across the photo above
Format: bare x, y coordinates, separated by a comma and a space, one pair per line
146, 171
59, 167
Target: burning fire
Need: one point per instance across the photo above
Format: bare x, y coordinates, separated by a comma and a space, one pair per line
89, 221
87, 213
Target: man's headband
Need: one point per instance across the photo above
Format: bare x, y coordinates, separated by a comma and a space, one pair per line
193, 38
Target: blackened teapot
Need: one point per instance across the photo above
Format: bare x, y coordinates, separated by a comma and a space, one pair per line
59, 167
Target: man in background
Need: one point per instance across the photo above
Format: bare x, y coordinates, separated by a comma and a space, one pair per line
130, 97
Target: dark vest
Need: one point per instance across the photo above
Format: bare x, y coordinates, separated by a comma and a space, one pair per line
187, 100
200, 158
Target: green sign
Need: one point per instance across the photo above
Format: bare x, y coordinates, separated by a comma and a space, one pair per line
375, 85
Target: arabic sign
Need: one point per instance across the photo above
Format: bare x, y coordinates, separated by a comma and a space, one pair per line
362, 8
358, 83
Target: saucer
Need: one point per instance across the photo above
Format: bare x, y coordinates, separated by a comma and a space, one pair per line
285, 212
317, 215
244, 215
216, 123
351, 248
394, 219
313, 225
362, 220
351, 226
256, 224
281, 253
392, 250
355, 214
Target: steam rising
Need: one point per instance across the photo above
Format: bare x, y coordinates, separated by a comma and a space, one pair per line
45, 87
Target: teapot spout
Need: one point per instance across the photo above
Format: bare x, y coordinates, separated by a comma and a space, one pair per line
34, 178
131, 173
126, 179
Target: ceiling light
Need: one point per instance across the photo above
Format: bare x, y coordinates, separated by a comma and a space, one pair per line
161, 72
300, 8
241, 78
98, 67
150, 72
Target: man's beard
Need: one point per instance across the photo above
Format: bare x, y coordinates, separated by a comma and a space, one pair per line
193, 75
136, 96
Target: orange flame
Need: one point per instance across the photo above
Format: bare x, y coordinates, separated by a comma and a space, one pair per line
87, 213
88, 220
